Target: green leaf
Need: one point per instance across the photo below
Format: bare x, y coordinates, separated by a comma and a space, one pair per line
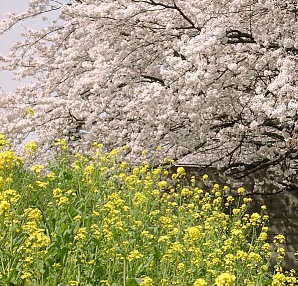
145, 265
132, 282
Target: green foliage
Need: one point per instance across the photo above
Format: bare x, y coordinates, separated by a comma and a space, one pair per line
95, 220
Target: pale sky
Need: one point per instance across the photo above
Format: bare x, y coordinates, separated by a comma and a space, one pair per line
6, 79
6, 82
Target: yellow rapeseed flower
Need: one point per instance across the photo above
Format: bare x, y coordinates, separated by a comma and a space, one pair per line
57, 192
81, 234
163, 238
279, 239
162, 184
37, 168
51, 176
133, 255
176, 247
158, 148
26, 275
181, 172
98, 145
89, 170
192, 234
31, 148
165, 220
226, 189
255, 219
62, 144
10, 196
279, 279
62, 200
205, 178
8, 159
200, 282
41, 184
236, 212
77, 218
263, 236
146, 281
4, 206
29, 111
181, 266
4, 142
33, 214
225, 279
139, 199
241, 191
247, 200
241, 255
186, 192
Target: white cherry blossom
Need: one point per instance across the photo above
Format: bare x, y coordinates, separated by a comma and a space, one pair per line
212, 82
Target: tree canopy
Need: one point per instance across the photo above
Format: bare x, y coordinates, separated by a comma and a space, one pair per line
212, 82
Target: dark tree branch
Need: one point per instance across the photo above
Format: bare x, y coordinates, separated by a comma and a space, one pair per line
153, 79
236, 36
176, 54
260, 165
274, 135
175, 7
185, 16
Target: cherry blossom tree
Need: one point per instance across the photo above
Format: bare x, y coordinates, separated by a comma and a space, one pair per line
213, 83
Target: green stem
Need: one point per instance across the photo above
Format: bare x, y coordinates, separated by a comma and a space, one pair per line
124, 272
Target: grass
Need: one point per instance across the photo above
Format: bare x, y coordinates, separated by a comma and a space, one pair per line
96, 220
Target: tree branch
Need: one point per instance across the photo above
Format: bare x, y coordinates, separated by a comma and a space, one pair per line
236, 36
154, 79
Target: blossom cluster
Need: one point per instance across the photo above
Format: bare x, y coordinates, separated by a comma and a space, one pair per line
208, 81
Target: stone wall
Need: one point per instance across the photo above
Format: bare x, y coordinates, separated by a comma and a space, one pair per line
283, 212
282, 207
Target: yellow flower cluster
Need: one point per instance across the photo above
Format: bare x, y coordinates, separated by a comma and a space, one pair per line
33, 242
139, 199
180, 174
31, 148
146, 281
60, 199
225, 279
281, 279
37, 168
192, 234
96, 219
200, 282
29, 111
8, 160
62, 144
36, 236
4, 142
134, 254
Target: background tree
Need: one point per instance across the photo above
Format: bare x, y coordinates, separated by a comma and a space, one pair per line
212, 82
